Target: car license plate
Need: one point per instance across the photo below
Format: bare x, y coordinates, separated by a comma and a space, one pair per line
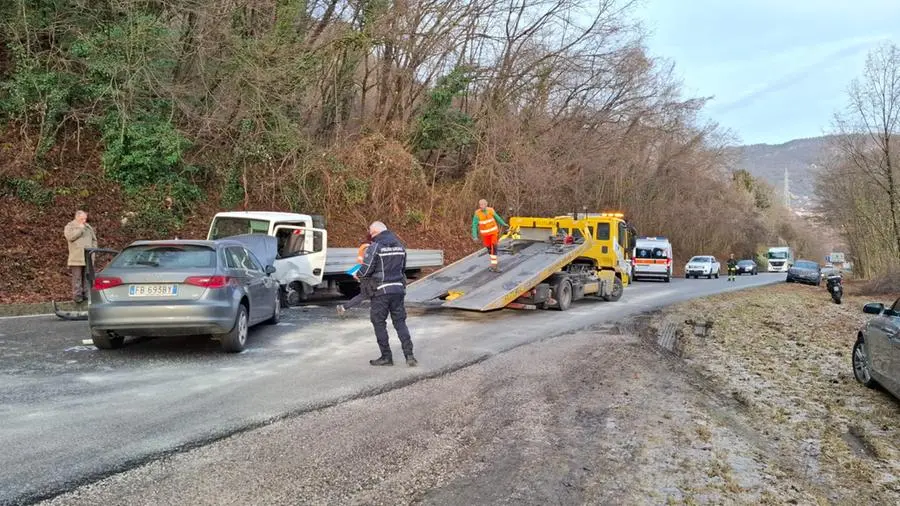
152, 290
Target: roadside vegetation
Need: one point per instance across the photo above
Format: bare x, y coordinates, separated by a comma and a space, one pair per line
781, 356
152, 115
859, 185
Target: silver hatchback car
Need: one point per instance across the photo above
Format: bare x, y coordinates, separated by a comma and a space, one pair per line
179, 288
876, 354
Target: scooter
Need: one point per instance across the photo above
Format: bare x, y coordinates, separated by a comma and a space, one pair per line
835, 288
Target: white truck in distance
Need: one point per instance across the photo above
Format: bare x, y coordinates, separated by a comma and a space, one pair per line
304, 263
779, 258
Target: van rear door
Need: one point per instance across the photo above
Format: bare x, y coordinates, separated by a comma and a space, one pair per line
651, 260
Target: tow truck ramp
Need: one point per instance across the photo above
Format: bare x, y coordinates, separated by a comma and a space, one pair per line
470, 284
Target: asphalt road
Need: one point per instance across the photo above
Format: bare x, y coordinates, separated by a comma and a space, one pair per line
72, 414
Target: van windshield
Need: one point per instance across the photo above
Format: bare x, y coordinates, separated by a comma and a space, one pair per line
650, 253
228, 227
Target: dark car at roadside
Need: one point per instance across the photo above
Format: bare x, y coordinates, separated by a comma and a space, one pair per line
876, 353
747, 267
805, 271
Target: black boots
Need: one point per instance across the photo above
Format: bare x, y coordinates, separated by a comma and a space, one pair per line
388, 360
382, 360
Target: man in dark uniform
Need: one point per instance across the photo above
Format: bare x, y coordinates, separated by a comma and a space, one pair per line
732, 267
384, 264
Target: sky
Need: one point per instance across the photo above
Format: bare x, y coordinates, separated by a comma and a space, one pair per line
777, 69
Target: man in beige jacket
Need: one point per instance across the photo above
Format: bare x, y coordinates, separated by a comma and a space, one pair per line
80, 235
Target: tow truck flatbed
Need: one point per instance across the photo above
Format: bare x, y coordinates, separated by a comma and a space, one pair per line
470, 284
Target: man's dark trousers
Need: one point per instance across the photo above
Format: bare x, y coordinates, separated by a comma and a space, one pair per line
382, 306
79, 283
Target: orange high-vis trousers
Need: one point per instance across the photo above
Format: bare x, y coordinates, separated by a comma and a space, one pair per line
490, 242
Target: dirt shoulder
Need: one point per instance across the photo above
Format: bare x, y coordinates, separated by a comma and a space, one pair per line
761, 410
783, 354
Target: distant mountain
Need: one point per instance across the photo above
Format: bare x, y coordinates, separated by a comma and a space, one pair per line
801, 158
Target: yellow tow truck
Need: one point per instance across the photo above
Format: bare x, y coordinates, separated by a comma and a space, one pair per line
544, 262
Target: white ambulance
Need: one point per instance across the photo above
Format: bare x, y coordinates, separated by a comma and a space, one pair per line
652, 259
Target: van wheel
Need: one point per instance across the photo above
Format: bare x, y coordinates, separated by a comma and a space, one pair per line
349, 289
106, 341
562, 292
616, 293
235, 340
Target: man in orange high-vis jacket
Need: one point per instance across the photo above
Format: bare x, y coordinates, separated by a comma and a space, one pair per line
486, 225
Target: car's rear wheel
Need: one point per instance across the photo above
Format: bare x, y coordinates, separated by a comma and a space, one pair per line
861, 364
235, 340
106, 341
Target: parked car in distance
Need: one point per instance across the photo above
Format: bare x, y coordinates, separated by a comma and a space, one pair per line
702, 265
830, 270
183, 288
876, 353
747, 267
805, 271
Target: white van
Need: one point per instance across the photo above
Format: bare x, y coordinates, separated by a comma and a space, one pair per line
304, 263
652, 258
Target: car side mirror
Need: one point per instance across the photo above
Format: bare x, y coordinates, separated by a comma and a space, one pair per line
873, 308
270, 269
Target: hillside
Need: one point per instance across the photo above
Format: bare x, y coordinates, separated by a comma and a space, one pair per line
801, 158
153, 116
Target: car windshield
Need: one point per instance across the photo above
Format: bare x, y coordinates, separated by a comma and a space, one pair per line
182, 256
806, 265
700, 260
745, 262
228, 227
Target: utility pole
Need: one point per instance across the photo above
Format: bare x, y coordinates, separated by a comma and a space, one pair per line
787, 189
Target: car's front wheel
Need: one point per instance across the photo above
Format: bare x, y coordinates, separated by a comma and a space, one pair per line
861, 369
235, 340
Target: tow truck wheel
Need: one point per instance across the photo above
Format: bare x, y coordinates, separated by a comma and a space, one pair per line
562, 291
616, 293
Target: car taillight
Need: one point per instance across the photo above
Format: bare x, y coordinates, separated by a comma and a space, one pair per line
102, 283
208, 281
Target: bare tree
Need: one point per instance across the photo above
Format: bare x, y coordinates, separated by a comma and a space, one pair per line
870, 127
